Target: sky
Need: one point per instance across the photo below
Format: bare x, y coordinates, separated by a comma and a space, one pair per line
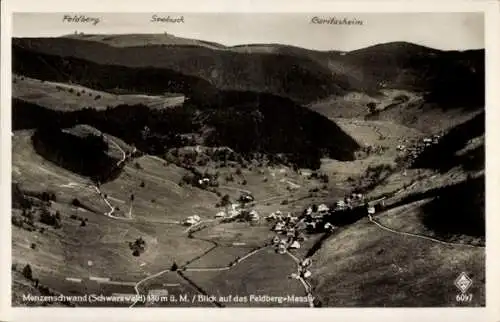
446, 31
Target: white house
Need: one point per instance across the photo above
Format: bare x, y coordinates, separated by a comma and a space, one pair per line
278, 227
329, 226
271, 217
254, 216
307, 274
204, 181
190, 221
311, 225
234, 213
295, 245
306, 262
340, 204
220, 214
371, 210
323, 208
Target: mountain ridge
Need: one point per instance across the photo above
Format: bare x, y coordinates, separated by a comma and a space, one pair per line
300, 74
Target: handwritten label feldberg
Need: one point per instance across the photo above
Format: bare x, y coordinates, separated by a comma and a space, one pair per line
81, 19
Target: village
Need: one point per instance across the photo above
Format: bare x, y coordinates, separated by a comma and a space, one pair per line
290, 230
411, 150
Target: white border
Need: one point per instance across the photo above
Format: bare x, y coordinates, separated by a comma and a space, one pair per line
492, 40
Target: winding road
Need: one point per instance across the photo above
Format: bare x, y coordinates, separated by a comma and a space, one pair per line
419, 236
305, 284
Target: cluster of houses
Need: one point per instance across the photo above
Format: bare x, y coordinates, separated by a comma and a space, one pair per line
349, 202
373, 149
318, 212
314, 216
235, 211
287, 234
414, 150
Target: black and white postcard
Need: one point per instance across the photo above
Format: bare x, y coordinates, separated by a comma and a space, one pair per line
240, 157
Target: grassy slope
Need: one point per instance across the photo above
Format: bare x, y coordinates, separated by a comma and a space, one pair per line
361, 267
71, 97
65, 252
416, 113
265, 273
21, 286
360, 264
110, 237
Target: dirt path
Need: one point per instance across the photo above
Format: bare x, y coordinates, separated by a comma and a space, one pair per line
419, 236
124, 155
111, 207
225, 268
136, 287
102, 195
